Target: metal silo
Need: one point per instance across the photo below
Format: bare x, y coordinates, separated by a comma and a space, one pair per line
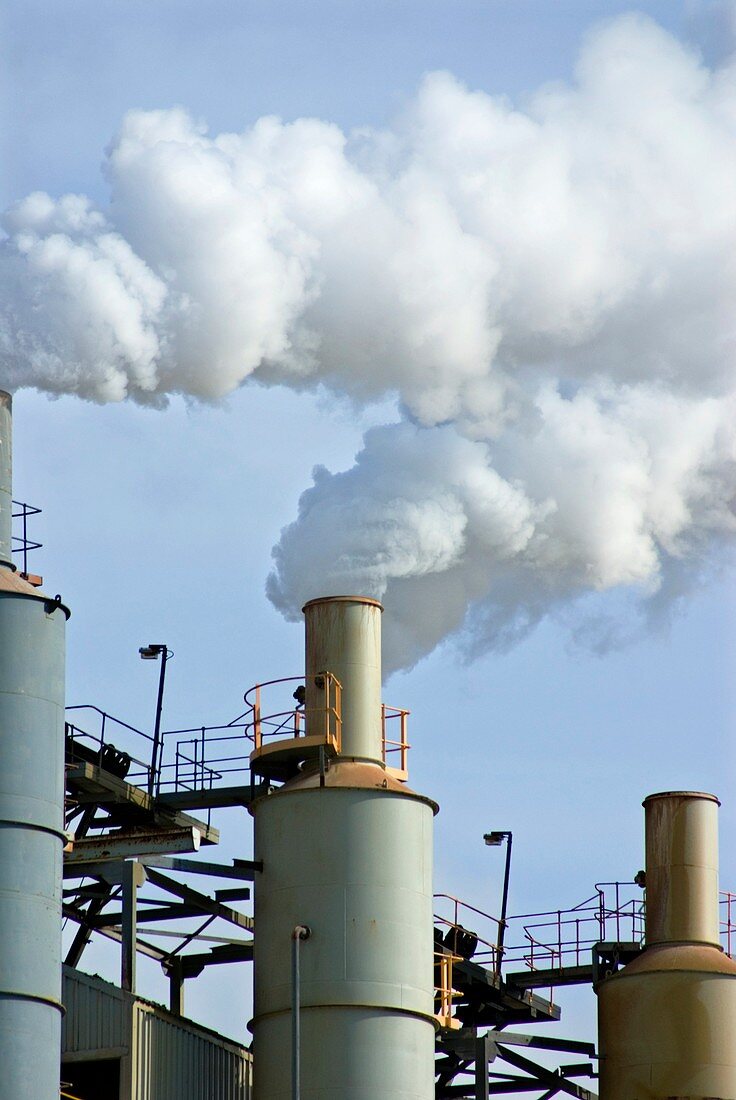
31, 818
667, 1021
347, 856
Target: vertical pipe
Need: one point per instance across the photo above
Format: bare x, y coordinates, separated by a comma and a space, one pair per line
6, 476
343, 637
301, 932
682, 868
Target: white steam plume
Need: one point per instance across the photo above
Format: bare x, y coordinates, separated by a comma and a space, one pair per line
548, 291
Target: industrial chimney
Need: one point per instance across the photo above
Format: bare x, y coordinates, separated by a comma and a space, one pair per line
667, 1021
32, 628
345, 891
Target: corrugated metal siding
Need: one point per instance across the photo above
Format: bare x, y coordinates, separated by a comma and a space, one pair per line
176, 1062
95, 1017
162, 1058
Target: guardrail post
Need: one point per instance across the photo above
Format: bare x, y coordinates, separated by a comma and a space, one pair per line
257, 718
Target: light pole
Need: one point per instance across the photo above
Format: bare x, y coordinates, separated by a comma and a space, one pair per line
494, 840
151, 653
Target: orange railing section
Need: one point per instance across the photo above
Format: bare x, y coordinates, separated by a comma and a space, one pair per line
395, 749
291, 723
444, 992
266, 723
728, 921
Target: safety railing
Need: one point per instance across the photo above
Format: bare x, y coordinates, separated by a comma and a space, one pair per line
204, 756
445, 993
727, 910
291, 723
108, 742
21, 544
395, 749
192, 759
460, 923
566, 937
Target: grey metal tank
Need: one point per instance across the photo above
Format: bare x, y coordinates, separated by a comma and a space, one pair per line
667, 1021
347, 853
32, 629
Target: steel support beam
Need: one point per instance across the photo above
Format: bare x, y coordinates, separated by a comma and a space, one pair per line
485, 1053
176, 986
547, 1078
93, 849
133, 876
84, 932
212, 798
193, 897
244, 869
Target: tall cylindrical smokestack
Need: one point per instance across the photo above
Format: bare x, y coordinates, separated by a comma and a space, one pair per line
667, 1021
31, 825
347, 853
6, 476
343, 637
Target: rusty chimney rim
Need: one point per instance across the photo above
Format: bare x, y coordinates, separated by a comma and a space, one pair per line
703, 795
343, 599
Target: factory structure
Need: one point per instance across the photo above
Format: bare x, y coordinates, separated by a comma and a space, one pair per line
369, 983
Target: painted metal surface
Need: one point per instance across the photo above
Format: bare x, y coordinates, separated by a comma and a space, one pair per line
31, 838
161, 1057
355, 865
343, 636
6, 475
347, 852
174, 1061
667, 1021
96, 1018
667, 1026
682, 868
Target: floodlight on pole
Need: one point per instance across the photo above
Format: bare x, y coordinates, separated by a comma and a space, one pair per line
495, 840
151, 653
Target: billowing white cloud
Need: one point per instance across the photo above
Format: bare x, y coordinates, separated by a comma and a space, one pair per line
607, 489
547, 290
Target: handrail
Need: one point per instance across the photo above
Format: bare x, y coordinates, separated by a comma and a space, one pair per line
109, 717
292, 723
389, 745
269, 683
25, 544
460, 905
567, 936
444, 991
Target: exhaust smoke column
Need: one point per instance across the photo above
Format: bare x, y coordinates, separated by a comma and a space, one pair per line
544, 288
667, 1021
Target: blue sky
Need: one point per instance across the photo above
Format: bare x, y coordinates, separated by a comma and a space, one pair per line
158, 526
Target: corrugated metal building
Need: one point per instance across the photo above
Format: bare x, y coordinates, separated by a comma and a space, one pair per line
119, 1047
